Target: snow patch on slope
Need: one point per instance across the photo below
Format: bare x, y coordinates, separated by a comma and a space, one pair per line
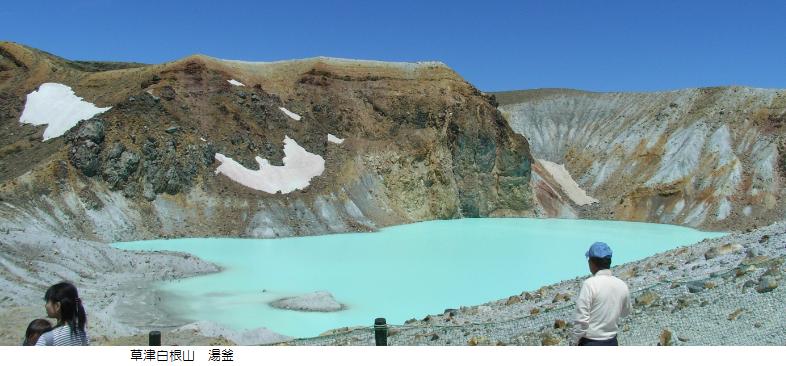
334, 139
292, 115
296, 173
235, 82
57, 106
571, 188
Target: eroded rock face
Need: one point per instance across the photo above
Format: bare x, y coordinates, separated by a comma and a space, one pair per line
706, 158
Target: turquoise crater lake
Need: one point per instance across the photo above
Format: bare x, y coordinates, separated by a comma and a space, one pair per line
399, 273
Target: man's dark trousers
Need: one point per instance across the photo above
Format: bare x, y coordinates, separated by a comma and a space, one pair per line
592, 342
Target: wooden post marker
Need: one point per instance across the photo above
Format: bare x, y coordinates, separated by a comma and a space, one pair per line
381, 331
155, 338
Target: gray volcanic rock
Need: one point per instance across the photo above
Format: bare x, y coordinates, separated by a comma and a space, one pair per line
321, 301
92, 129
120, 166
86, 143
695, 287
257, 336
767, 284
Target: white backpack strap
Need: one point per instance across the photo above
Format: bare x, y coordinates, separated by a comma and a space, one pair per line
49, 338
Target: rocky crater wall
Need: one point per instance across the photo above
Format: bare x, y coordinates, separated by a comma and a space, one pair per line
709, 158
419, 143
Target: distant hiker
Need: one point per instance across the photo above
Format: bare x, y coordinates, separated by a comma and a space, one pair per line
34, 330
63, 303
602, 301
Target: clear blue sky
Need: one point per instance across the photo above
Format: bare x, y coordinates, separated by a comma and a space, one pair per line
496, 45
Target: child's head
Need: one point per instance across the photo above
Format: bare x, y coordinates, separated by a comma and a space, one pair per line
63, 303
35, 329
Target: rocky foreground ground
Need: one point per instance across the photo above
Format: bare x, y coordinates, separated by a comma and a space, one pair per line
724, 291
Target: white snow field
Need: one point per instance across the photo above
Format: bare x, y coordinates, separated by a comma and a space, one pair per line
299, 167
56, 106
332, 138
292, 115
571, 188
235, 82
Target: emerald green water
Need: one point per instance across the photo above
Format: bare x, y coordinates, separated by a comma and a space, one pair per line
400, 272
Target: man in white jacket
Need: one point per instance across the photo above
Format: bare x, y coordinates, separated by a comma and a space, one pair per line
602, 301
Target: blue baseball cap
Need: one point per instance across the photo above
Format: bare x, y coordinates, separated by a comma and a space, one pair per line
598, 249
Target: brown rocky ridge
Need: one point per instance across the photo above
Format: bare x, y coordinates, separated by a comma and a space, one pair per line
420, 144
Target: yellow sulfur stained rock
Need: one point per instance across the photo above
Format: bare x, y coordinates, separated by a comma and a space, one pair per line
548, 339
736, 314
513, 300
478, 341
647, 298
665, 338
722, 250
560, 324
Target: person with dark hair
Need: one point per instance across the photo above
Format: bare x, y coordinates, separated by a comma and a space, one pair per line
602, 301
35, 329
64, 305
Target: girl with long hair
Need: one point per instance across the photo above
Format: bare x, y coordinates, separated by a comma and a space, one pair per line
64, 305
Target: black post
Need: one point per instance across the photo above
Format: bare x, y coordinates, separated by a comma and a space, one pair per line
155, 338
381, 331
